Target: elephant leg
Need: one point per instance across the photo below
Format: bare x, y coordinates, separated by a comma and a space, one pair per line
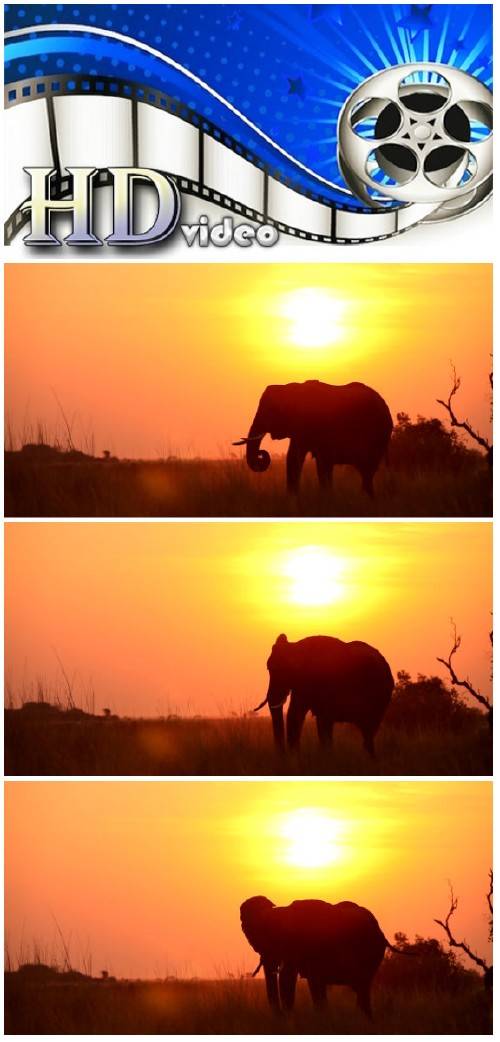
294, 722
367, 476
271, 976
368, 742
287, 983
364, 1000
324, 469
318, 992
294, 463
324, 727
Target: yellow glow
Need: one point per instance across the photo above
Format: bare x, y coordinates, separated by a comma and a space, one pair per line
312, 838
95, 843
262, 324
244, 582
315, 575
314, 317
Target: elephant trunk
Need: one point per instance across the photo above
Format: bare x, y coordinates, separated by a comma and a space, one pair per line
278, 726
275, 701
272, 988
258, 459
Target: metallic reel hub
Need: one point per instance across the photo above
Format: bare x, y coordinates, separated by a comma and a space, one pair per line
419, 133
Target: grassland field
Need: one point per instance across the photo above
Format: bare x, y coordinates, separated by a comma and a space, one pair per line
93, 1006
62, 744
90, 487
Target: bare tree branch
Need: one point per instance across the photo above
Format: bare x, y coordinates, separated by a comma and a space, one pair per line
464, 683
489, 898
464, 424
489, 895
453, 943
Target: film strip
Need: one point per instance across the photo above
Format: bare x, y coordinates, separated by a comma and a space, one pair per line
62, 121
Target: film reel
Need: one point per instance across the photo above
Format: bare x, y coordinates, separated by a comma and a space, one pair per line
419, 134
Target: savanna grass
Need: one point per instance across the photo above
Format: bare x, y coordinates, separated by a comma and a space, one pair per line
227, 488
234, 746
233, 1007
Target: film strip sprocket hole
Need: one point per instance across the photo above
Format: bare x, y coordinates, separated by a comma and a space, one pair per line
51, 120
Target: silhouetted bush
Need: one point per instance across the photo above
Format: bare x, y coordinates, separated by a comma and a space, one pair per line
426, 964
428, 702
427, 443
41, 972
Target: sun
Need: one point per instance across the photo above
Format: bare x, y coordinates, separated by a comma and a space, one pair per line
315, 576
314, 317
312, 838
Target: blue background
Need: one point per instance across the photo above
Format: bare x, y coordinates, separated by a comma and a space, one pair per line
288, 68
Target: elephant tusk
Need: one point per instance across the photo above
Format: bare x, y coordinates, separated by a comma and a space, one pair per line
262, 704
255, 972
244, 441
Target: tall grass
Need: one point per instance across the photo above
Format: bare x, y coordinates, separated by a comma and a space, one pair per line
61, 744
34, 1006
63, 695
227, 488
60, 436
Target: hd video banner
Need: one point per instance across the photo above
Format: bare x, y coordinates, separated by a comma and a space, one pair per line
243, 124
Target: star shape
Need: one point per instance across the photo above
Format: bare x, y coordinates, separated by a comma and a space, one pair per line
316, 11
296, 86
423, 132
418, 20
234, 20
459, 44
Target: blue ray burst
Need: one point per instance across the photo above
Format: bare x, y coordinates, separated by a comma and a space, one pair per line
250, 54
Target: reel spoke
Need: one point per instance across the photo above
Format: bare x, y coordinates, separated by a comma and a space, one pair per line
482, 151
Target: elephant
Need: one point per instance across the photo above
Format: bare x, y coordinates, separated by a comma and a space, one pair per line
321, 942
348, 423
335, 680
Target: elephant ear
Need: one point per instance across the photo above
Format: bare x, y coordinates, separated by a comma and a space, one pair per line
277, 409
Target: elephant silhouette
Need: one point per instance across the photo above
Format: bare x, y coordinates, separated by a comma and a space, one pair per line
321, 942
349, 423
337, 682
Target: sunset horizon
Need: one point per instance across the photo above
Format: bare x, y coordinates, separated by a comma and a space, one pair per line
157, 620
149, 363
180, 859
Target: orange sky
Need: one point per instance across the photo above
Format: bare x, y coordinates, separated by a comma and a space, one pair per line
168, 359
149, 876
181, 617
